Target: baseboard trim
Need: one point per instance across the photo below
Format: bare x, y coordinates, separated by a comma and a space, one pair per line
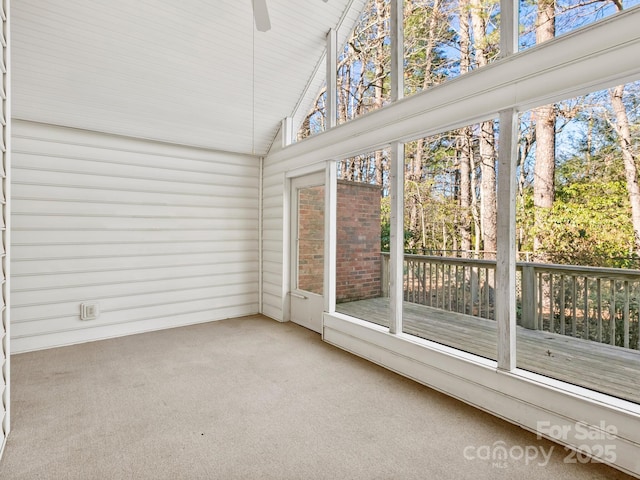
104, 332
4, 444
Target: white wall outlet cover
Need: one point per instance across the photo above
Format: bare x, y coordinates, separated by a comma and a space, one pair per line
89, 311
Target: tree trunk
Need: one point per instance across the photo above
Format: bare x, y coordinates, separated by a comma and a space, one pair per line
381, 58
413, 179
488, 188
545, 128
630, 167
343, 87
487, 142
465, 151
464, 224
434, 18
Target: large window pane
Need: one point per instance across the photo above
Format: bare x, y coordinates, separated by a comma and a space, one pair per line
578, 239
542, 20
364, 65
315, 121
450, 238
363, 71
442, 40
362, 226
446, 39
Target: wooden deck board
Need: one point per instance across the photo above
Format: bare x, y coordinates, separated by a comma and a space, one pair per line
597, 366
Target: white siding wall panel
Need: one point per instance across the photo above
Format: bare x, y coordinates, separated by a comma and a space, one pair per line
157, 235
5, 236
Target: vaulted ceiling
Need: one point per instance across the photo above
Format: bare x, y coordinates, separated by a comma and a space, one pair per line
192, 72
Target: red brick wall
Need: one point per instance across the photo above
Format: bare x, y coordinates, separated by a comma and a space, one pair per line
311, 239
358, 243
358, 274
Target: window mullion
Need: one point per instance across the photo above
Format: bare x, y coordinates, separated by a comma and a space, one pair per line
505, 297
397, 50
509, 22
396, 242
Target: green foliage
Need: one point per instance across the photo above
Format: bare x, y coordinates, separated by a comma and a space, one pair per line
426, 61
385, 224
589, 224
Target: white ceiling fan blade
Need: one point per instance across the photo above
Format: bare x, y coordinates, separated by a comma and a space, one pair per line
261, 15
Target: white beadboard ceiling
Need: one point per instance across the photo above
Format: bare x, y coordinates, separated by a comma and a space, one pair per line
181, 72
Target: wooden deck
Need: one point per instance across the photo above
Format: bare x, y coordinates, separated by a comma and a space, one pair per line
600, 367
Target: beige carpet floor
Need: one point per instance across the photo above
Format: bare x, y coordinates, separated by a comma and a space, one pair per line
249, 398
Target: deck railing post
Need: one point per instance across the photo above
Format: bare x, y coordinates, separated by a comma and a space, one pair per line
529, 295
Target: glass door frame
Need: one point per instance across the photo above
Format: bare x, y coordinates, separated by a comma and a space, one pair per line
329, 169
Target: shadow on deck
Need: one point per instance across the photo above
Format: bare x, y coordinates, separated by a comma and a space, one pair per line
604, 368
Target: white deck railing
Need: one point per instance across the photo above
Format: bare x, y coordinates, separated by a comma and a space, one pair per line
598, 304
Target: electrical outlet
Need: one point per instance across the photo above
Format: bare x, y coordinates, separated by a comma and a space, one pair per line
89, 311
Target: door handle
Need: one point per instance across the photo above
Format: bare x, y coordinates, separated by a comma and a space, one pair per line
297, 295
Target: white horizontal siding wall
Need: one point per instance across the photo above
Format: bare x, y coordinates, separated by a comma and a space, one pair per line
157, 235
5, 227
272, 241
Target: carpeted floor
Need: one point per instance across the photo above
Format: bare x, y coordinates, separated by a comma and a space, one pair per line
250, 398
